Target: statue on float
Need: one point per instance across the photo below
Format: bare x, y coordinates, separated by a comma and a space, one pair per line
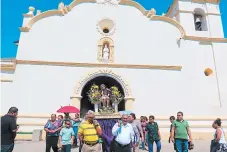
104, 99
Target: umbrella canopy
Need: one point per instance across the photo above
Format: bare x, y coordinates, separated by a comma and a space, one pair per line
68, 109
126, 112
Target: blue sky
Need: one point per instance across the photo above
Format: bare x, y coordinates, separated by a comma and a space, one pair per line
11, 17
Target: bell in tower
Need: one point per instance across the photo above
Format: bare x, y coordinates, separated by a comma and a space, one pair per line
198, 22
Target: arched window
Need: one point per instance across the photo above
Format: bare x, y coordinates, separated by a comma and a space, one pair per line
200, 20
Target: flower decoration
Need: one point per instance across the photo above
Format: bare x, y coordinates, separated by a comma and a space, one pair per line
116, 96
94, 94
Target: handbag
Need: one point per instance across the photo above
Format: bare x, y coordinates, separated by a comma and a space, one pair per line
214, 146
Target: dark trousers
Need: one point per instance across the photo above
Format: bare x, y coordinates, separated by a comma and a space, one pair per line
52, 142
80, 146
7, 148
66, 148
116, 147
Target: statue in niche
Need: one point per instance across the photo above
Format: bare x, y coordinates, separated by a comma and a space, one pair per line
105, 95
105, 53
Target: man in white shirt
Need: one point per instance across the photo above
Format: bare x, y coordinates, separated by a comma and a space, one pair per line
124, 136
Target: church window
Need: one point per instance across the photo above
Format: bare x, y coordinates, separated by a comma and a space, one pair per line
200, 20
106, 27
106, 30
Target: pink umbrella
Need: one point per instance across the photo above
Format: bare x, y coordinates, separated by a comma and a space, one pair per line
68, 109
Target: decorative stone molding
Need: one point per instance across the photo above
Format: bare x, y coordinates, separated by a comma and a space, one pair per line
8, 65
151, 13
6, 80
101, 43
38, 12
171, 21
207, 1
205, 39
106, 23
102, 72
134, 4
30, 13
111, 2
62, 7
193, 12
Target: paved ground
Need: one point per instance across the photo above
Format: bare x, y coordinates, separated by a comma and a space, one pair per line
28, 146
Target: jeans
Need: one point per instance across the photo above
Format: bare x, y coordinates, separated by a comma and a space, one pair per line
158, 145
75, 129
143, 145
181, 145
66, 148
7, 148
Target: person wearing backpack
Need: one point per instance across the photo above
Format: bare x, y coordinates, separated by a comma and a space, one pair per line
219, 143
181, 134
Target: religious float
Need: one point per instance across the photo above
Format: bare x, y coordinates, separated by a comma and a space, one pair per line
106, 101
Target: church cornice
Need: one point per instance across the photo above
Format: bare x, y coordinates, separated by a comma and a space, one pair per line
99, 65
62, 10
65, 9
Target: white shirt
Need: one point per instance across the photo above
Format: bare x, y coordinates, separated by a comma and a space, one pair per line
125, 135
222, 139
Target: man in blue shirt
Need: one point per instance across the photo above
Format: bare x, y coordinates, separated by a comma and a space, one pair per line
66, 137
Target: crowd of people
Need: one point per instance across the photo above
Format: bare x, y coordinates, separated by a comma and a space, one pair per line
129, 134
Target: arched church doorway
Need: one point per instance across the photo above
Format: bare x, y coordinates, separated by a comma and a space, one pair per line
86, 105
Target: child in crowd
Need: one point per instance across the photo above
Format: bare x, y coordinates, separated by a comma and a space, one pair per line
66, 137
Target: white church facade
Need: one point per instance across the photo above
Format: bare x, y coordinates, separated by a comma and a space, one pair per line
161, 64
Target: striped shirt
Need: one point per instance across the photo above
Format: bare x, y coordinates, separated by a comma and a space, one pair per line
88, 131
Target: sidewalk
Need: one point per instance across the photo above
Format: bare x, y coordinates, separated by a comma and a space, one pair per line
28, 146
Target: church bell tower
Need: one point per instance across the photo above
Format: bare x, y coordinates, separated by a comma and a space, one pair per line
199, 18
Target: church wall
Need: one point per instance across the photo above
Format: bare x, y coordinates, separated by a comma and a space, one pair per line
156, 92
7, 75
6, 96
189, 27
215, 24
74, 37
221, 64
48, 87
